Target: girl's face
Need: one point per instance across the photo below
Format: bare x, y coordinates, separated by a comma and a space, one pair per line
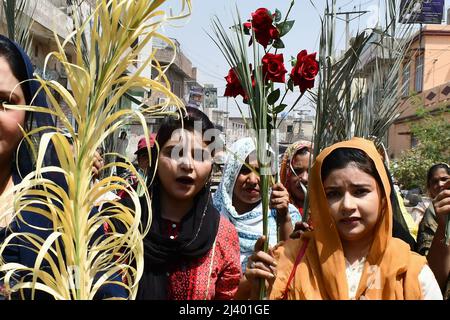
355, 202
10, 93
184, 165
246, 193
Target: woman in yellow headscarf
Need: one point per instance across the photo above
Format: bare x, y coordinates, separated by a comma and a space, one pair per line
351, 253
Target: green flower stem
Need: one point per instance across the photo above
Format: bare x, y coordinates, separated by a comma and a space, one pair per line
293, 106
284, 95
286, 17
265, 179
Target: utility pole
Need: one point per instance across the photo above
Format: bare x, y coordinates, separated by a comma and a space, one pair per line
300, 113
347, 21
226, 122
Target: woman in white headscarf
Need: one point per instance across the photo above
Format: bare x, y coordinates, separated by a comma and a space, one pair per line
238, 198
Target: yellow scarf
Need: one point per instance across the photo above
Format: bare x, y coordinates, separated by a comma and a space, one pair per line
391, 270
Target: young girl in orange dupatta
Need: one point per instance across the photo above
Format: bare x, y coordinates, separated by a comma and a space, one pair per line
351, 253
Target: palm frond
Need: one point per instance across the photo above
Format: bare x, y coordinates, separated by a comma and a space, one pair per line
80, 262
351, 104
18, 14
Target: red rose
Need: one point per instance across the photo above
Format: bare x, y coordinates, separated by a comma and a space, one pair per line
305, 70
273, 67
234, 87
262, 24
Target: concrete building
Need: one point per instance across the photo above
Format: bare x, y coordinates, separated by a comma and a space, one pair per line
292, 128
218, 117
425, 82
54, 16
181, 74
49, 17
182, 77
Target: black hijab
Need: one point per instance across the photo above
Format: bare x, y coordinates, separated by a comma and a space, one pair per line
198, 230
23, 163
399, 227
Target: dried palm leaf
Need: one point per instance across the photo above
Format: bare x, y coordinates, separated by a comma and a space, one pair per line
80, 262
351, 104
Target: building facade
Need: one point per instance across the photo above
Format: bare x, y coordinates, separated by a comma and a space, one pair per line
424, 84
182, 77
293, 128
49, 17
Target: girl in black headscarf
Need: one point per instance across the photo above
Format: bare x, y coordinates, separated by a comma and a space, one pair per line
190, 252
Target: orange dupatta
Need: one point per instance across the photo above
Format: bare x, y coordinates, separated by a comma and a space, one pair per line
391, 270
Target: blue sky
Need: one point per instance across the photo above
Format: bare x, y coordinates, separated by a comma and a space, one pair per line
212, 67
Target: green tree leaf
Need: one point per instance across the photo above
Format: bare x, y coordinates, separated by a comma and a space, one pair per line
433, 136
290, 84
293, 61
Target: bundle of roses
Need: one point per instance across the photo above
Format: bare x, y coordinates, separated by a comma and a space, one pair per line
266, 30
255, 79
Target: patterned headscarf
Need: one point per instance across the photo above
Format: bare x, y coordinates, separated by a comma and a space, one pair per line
286, 162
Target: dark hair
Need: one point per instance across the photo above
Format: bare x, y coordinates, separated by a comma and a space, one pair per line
302, 151
17, 65
192, 116
435, 168
340, 158
170, 124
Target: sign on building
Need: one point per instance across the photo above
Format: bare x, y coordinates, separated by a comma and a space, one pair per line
421, 11
210, 97
195, 97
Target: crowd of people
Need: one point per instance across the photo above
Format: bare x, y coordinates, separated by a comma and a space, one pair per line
355, 243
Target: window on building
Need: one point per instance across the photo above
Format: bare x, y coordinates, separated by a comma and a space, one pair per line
290, 129
405, 80
418, 83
